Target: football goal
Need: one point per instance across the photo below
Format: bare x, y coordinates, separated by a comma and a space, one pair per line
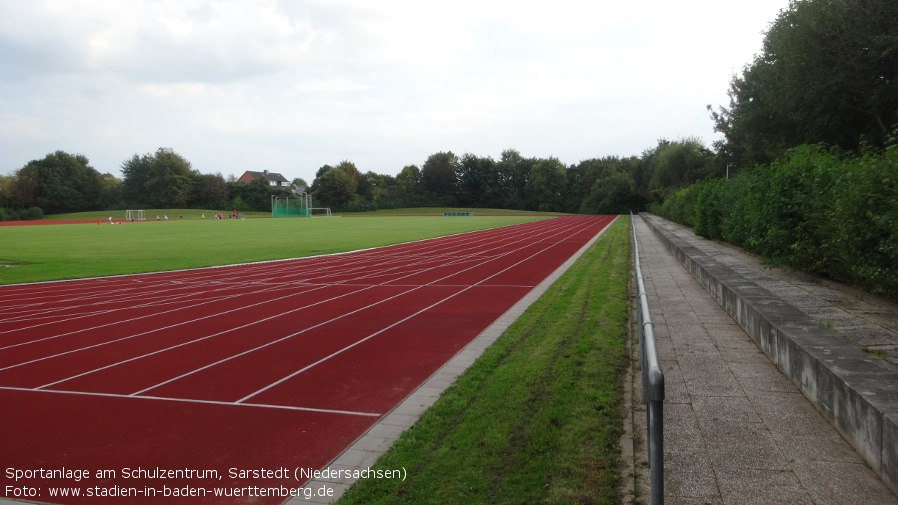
135, 215
286, 206
321, 212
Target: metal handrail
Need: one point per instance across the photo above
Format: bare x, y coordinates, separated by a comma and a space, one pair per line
652, 381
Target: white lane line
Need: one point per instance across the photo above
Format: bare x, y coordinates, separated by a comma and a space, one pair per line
382, 330
192, 400
258, 321
359, 265
414, 288
517, 238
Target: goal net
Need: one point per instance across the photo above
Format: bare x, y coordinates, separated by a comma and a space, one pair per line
285, 206
135, 215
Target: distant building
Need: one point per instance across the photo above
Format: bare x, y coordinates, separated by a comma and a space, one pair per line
274, 179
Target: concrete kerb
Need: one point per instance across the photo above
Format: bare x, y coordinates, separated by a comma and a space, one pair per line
855, 394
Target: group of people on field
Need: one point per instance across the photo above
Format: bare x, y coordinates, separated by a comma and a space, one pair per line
220, 216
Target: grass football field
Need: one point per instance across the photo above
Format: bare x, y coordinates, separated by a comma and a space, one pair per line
70, 251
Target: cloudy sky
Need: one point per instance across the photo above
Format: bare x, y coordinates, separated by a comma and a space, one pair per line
291, 85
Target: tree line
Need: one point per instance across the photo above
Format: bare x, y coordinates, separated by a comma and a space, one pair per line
608, 185
63, 182
827, 75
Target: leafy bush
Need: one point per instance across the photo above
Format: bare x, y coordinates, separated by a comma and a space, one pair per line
611, 195
680, 206
29, 214
815, 210
865, 223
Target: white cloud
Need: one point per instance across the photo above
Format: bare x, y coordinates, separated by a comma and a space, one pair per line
291, 85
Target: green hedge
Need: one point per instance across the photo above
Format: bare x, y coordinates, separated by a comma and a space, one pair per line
820, 212
29, 214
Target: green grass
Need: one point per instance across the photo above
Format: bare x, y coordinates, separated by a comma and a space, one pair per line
536, 418
52, 252
119, 215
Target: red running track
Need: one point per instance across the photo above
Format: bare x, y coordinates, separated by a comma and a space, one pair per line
259, 366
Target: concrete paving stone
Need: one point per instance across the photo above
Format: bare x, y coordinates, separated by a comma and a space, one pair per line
690, 345
837, 483
693, 500
376, 444
440, 382
741, 445
404, 420
743, 355
409, 409
698, 364
386, 431
730, 336
675, 390
728, 387
866, 335
737, 409
357, 458
786, 413
727, 329
761, 486
726, 343
664, 346
718, 319
680, 421
690, 481
753, 370
824, 445
771, 383
422, 399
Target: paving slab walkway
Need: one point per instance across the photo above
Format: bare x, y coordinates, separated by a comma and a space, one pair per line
736, 430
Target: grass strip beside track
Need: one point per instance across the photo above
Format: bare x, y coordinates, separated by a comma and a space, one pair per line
54, 252
536, 418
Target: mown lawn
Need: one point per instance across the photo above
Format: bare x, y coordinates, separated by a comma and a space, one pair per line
52, 252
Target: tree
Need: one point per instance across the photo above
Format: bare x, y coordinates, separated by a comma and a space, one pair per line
478, 183
677, 164
336, 189
60, 182
547, 185
408, 179
161, 180
6, 185
210, 191
611, 195
582, 176
111, 194
438, 176
379, 186
828, 73
253, 196
513, 173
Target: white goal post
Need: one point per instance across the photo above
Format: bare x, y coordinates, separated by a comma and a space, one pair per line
320, 212
135, 215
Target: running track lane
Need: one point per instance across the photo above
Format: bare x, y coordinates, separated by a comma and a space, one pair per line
267, 365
